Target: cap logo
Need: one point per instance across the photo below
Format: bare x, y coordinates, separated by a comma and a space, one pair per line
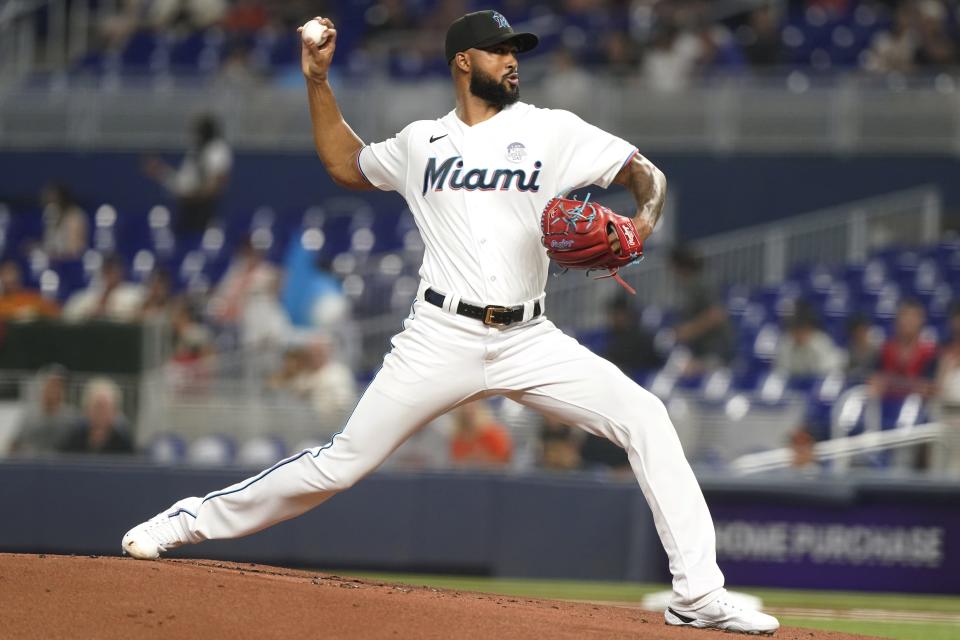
500, 20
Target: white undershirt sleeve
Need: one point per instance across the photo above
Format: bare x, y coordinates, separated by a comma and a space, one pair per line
384, 164
589, 154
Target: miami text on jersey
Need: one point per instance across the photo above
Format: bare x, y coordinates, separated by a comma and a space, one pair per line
435, 177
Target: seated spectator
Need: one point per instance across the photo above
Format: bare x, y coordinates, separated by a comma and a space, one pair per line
703, 323
894, 50
863, 355
478, 439
109, 296
559, 446
157, 301
599, 453
946, 457
566, 85
248, 297
763, 46
630, 346
802, 443
328, 383
192, 340
18, 302
669, 63
48, 417
103, 428
185, 15
805, 350
907, 359
65, 225
948, 368
287, 379
936, 49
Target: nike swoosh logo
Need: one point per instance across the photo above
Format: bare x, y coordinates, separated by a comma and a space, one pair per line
686, 619
435, 138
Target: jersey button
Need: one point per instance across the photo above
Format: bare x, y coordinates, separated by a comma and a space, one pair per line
483, 240
493, 278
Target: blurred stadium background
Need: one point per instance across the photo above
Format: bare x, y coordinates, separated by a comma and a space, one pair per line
182, 286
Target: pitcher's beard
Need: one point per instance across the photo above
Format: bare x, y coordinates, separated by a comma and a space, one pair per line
489, 90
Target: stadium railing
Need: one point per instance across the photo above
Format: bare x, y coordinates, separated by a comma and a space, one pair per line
787, 113
840, 451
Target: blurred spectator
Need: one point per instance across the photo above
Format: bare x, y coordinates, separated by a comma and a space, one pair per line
287, 378
109, 296
186, 15
619, 56
48, 417
312, 295
478, 439
935, 47
329, 384
103, 428
191, 367
388, 15
703, 323
801, 444
945, 457
760, 38
19, 303
894, 50
948, 367
157, 301
248, 297
566, 85
599, 453
192, 340
237, 71
199, 183
863, 354
245, 17
630, 346
907, 359
116, 27
559, 446
805, 350
717, 49
65, 225
670, 61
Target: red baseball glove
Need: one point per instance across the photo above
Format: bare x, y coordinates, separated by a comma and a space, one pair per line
578, 235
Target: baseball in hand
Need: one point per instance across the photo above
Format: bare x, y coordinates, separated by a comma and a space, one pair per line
314, 33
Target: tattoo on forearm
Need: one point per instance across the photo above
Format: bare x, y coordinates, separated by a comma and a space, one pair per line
649, 188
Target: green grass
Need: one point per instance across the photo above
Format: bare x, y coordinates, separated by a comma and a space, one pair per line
897, 630
774, 598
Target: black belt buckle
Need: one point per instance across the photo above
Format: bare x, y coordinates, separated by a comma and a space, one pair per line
488, 312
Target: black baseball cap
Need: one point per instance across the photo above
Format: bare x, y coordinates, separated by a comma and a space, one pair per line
485, 29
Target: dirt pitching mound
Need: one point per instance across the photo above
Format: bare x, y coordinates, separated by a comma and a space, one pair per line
47, 596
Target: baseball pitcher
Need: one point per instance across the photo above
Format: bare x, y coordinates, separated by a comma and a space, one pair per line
481, 183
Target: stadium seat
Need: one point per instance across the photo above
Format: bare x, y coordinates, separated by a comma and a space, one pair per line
261, 451
213, 450
167, 448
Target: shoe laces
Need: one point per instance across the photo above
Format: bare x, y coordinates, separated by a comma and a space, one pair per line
161, 530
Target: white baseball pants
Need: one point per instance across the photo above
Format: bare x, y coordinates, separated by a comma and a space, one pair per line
441, 360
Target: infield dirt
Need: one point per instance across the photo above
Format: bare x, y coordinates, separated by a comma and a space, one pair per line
80, 597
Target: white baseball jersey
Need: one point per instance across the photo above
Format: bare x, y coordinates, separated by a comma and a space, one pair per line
477, 194
469, 185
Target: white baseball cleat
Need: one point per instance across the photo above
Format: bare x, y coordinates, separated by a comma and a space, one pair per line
149, 539
720, 614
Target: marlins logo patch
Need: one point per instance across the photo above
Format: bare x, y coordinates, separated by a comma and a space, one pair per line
500, 20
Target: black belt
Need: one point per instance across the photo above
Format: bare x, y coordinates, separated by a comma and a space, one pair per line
491, 315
